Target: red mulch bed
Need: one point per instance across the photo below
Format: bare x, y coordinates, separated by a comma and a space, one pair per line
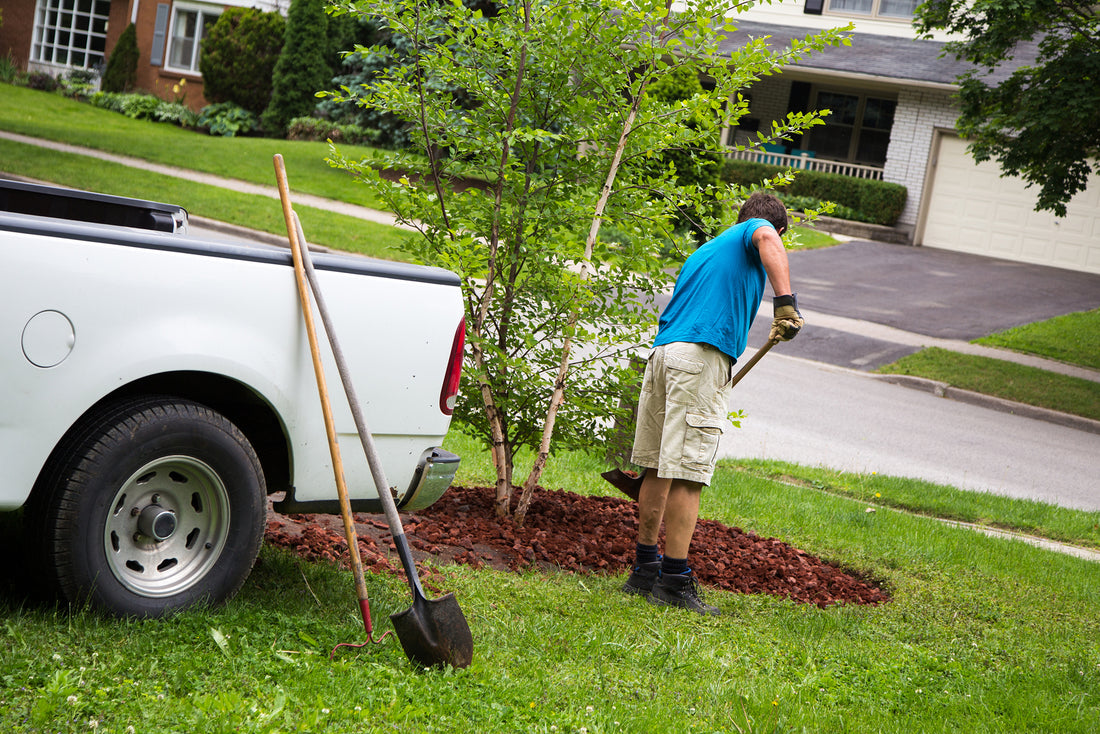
574, 533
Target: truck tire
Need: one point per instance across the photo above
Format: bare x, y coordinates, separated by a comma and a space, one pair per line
153, 506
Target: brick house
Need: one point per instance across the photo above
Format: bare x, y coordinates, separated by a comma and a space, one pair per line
55, 36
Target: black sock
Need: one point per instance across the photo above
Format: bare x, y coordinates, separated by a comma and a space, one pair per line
645, 554
674, 566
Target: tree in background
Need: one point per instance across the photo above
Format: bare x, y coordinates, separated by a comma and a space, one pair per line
556, 121
238, 56
121, 72
1043, 122
304, 68
694, 166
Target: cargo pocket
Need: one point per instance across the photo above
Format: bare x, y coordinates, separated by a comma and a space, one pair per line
682, 376
701, 439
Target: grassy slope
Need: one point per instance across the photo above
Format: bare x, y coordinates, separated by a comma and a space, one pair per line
983, 635
53, 117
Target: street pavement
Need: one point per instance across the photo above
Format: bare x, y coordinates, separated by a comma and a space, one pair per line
813, 400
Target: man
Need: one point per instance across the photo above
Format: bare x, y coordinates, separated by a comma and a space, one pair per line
684, 401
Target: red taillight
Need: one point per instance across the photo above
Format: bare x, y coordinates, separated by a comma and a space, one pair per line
449, 394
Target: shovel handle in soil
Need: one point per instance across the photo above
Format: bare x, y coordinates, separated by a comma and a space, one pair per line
431, 632
297, 249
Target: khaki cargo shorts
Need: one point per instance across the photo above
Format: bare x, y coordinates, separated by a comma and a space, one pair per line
682, 411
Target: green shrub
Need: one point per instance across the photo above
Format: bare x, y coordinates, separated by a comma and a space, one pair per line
238, 56
42, 81
78, 83
302, 69
121, 72
9, 70
140, 106
178, 113
227, 119
876, 202
313, 128
107, 100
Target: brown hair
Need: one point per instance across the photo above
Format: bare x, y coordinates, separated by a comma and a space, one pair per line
764, 206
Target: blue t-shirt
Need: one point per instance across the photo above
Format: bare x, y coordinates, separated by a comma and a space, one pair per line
717, 292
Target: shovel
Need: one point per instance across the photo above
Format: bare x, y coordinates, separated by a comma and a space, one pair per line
432, 632
630, 484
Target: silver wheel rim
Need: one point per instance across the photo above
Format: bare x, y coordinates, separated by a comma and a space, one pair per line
167, 526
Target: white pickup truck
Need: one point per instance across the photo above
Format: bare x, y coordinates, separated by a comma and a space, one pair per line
155, 388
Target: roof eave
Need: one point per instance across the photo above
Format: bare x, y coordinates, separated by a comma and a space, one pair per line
875, 80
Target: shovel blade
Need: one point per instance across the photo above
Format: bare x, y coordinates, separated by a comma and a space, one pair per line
628, 484
434, 632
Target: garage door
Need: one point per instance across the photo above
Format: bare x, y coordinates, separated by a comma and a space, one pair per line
971, 208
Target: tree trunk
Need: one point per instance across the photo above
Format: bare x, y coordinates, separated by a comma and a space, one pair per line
558, 396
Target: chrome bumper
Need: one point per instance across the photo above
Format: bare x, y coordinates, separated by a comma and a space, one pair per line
434, 474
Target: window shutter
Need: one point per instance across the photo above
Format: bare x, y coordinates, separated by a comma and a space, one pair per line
813, 7
160, 32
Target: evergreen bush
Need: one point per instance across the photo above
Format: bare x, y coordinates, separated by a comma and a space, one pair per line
302, 69
875, 202
121, 72
239, 55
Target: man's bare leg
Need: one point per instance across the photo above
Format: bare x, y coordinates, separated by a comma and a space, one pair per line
652, 498
681, 515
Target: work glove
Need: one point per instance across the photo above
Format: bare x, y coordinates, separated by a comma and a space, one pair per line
787, 320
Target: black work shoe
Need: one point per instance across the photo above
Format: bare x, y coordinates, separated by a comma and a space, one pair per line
642, 578
679, 590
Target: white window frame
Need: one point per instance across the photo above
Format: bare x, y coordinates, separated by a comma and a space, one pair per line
205, 11
875, 12
53, 18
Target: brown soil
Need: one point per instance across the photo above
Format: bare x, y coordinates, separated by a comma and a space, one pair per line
573, 533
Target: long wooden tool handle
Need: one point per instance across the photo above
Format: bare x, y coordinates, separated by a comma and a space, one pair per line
374, 461
322, 389
755, 358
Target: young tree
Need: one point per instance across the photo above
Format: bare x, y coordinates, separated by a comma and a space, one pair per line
564, 247
1042, 123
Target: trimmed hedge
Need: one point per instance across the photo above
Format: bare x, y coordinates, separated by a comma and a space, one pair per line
312, 128
876, 202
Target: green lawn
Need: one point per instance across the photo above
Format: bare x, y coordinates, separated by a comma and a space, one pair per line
53, 117
1072, 338
247, 210
1015, 382
982, 635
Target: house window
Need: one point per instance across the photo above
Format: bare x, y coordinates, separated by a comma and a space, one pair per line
858, 130
893, 9
190, 24
70, 32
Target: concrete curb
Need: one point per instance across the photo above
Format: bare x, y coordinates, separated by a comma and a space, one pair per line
944, 390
